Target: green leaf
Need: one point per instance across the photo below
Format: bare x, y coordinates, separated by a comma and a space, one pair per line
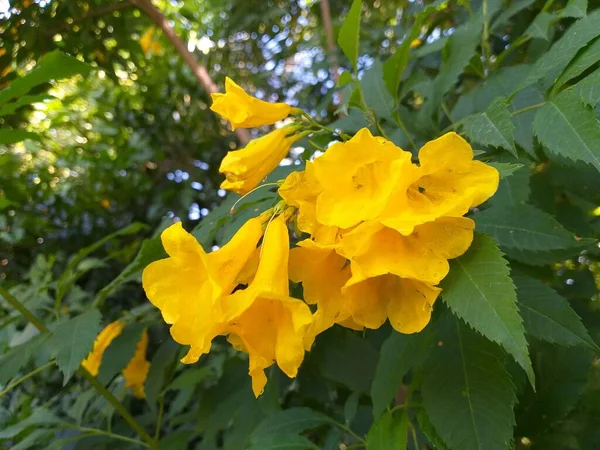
119, 352
11, 136
162, 359
399, 353
389, 431
394, 66
17, 357
25, 100
52, 66
284, 442
589, 88
350, 32
493, 127
467, 393
351, 406
548, 316
512, 191
40, 417
429, 431
526, 227
516, 7
575, 8
563, 50
375, 93
540, 27
72, 341
289, 421
479, 290
583, 61
506, 169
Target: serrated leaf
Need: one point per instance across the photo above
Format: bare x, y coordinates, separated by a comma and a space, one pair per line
11, 136
284, 442
375, 93
289, 421
52, 66
540, 27
506, 169
479, 290
493, 127
589, 89
389, 431
350, 31
17, 357
514, 190
399, 353
584, 60
119, 352
548, 316
527, 228
467, 393
73, 339
575, 8
563, 50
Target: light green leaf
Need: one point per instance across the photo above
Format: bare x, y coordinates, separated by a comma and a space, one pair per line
563, 50
119, 352
289, 421
284, 442
399, 353
589, 89
467, 393
344, 79
526, 227
493, 127
584, 60
575, 8
350, 31
548, 316
11, 136
73, 339
566, 127
479, 290
388, 432
375, 93
52, 66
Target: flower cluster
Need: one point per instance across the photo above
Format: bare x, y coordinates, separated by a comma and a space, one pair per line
380, 231
135, 372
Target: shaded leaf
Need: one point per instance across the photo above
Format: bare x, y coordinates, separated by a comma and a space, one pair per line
289, 421
163, 358
493, 127
584, 60
540, 27
350, 31
40, 417
17, 357
375, 93
119, 352
589, 88
283, 442
389, 431
506, 169
575, 8
513, 190
479, 290
11, 136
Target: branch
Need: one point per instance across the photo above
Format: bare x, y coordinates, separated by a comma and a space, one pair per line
199, 71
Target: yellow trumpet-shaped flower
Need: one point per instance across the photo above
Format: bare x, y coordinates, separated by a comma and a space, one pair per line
244, 169
449, 182
149, 43
358, 177
263, 320
135, 372
245, 111
187, 287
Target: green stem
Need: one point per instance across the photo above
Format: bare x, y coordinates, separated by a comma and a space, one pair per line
323, 127
527, 108
405, 405
485, 45
83, 372
405, 131
26, 377
518, 42
161, 409
99, 432
414, 436
348, 431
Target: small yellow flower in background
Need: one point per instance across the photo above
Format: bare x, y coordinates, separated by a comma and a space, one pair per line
245, 111
149, 43
188, 287
415, 43
135, 372
244, 169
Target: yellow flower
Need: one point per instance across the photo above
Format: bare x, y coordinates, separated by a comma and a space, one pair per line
187, 286
263, 320
135, 372
245, 111
358, 177
449, 182
246, 168
149, 43
103, 340
423, 255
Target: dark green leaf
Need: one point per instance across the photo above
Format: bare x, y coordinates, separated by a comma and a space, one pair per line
8, 136
507, 13
506, 169
72, 340
479, 290
584, 60
25, 100
17, 357
399, 353
284, 442
350, 31
119, 352
527, 228
390, 431
548, 316
162, 359
540, 27
589, 88
575, 8
493, 127
40, 417
513, 190
350, 407
375, 93
429, 431
289, 421
467, 393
